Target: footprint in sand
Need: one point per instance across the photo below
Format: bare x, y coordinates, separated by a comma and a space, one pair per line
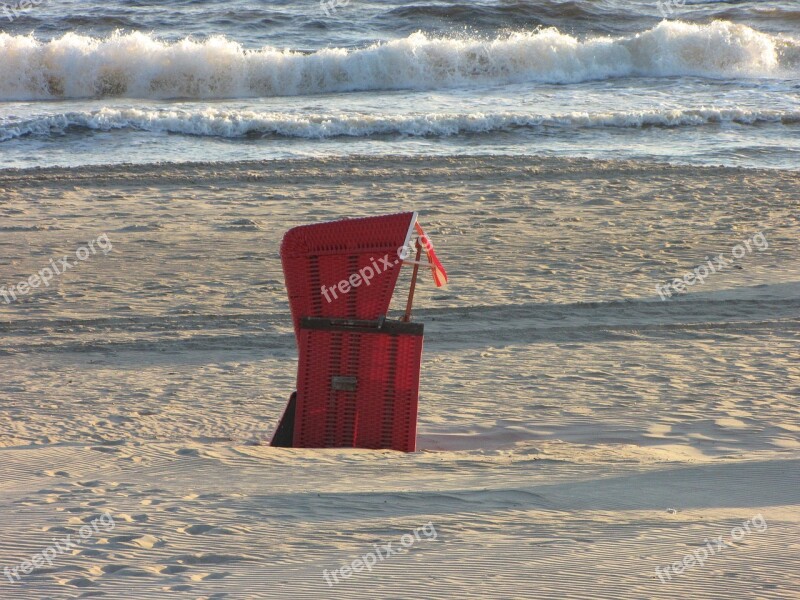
172, 569
89, 484
57, 529
95, 503
149, 541
142, 541
188, 452
53, 491
140, 518
105, 449
79, 509
79, 582
78, 521
201, 529
98, 571
212, 576
211, 558
208, 576
196, 529
212, 496
124, 571
35, 502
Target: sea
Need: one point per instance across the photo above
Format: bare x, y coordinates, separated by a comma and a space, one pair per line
84, 82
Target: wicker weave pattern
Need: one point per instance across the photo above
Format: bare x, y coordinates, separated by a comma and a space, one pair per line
380, 413
327, 253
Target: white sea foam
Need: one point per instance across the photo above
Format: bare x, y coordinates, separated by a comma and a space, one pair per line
233, 124
139, 65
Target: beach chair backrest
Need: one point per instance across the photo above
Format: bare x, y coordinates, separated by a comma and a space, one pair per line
344, 269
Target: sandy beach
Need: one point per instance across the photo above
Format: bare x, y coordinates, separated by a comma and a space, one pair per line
576, 431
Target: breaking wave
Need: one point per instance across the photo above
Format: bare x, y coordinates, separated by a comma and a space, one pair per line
138, 65
237, 124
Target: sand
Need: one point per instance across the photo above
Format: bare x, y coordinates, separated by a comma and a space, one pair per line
575, 433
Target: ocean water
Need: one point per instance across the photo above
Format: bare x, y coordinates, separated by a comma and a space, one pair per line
681, 81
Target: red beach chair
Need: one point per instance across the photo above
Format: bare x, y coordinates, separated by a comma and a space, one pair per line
358, 373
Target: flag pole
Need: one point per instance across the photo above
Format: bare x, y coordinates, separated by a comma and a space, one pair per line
407, 316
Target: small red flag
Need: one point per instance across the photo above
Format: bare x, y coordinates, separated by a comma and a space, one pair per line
439, 274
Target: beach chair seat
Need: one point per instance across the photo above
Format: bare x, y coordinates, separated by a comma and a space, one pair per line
358, 384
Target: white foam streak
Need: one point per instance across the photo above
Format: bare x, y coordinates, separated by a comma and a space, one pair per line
138, 65
235, 124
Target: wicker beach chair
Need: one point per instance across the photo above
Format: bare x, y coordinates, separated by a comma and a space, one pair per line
358, 373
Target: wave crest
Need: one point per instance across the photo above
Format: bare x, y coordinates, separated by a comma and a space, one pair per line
138, 65
237, 124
